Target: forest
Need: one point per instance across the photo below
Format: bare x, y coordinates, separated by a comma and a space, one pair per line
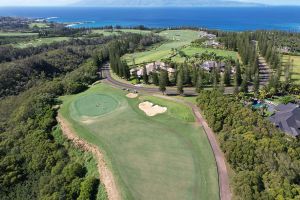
32, 157
266, 162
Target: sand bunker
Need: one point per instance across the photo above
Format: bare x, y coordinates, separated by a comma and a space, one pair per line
150, 109
132, 95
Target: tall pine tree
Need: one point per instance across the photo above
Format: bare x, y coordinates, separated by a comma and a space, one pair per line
179, 82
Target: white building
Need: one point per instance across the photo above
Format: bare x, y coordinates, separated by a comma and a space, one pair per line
209, 65
152, 67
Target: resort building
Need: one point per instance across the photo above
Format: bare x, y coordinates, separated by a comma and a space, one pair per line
209, 65
152, 67
287, 118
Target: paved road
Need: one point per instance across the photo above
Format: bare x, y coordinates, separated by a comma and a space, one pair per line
225, 193
264, 71
188, 91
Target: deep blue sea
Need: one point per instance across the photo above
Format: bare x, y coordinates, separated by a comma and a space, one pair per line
233, 19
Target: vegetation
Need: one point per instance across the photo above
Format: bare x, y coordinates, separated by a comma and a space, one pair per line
294, 63
34, 157
38, 25
174, 39
40, 41
191, 51
265, 161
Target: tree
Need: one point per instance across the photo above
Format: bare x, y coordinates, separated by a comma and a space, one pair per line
154, 77
179, 82
194, 76
88, 189
238, 75
145, 75
199, 83
244, 85
215, 78
256, 83
98, 62
227, 77
186, 74
126, 71
221, 86
163, 81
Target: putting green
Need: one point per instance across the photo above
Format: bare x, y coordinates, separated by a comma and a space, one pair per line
165, 157
95, 105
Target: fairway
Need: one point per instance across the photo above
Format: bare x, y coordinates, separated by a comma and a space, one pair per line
296, 67
109, 32
40, 41
163, 157
16, 34
174, 39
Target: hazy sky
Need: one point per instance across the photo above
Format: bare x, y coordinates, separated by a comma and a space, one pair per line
66, 2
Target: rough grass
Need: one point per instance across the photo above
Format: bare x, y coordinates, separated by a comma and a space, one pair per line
191, 51
175, 39
38, 25
40, 41
296, 67
161, 157
109, 32
16, 34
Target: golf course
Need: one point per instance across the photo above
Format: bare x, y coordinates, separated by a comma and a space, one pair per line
166, 156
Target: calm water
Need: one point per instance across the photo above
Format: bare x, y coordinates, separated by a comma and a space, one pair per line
234, 19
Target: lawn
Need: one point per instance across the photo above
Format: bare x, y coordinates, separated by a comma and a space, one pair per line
38, 25
40, 41
296, 67
191, 51
16, 34
175, 39
162, 157
108, 32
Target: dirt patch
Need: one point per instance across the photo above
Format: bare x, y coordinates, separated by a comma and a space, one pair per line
132, 95
106, 176
150, 109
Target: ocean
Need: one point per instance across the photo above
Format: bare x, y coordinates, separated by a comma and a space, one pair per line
231, 19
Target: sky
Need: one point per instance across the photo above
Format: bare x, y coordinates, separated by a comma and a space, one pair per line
68, 2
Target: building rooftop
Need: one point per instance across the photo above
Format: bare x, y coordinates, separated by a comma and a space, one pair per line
287, 118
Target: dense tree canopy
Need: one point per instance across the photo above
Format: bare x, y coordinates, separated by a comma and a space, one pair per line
266, 162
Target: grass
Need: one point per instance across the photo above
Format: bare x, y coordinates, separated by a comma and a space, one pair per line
181, 112
38, 25
16, 34
85, 106
296, 67
161, 157
175, 39
40, 41
191, 51
108, 32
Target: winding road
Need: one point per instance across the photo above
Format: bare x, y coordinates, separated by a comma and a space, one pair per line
225, 193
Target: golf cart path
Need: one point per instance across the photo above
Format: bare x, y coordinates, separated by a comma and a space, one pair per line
224, 188
106, 176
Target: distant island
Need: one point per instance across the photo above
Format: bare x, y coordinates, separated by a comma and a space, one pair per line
165, 3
